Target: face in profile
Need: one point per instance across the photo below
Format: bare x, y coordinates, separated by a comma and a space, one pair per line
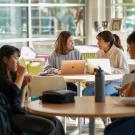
12, 62
131, 50
101, 43
70, 43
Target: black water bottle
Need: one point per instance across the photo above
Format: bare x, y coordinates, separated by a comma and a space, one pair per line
99, 85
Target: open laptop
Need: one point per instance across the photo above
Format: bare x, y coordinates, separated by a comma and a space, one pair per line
103, 63
72, 67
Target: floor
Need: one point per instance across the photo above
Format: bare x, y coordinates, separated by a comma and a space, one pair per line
73, 130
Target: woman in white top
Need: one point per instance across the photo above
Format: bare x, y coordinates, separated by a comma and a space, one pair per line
110, 47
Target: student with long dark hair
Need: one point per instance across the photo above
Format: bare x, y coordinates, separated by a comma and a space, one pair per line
110, 48
12, 80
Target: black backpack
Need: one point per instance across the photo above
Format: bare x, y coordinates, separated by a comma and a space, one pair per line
7, 125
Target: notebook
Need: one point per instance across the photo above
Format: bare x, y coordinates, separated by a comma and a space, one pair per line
103, 63
72, 67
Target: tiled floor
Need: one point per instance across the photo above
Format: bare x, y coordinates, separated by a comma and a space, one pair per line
73, 130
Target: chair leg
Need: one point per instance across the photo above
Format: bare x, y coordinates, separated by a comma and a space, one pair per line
65, 124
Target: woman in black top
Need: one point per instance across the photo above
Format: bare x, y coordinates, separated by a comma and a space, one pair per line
12, 79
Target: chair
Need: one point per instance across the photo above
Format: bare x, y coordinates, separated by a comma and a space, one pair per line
44, 83
87, 51
87, 55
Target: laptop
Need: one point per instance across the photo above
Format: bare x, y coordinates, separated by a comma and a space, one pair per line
103, 63
72, 67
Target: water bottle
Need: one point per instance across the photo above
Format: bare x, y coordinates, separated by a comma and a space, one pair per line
99, 85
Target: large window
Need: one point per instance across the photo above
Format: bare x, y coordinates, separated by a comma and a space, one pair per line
58, 1
49, 21
13, 22
124, 9
38, 22
13, 1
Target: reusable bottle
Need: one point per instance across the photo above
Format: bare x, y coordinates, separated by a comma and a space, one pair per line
99, 85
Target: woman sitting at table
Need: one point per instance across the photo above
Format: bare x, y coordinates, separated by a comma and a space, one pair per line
12, 82
125, 126
64, 50
110, 47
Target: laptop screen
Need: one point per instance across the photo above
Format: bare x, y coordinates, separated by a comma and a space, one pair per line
103, 63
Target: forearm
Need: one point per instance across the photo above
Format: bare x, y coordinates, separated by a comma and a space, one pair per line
19, 80
23, 96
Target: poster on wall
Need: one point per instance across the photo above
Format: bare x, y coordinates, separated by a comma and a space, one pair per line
115, 24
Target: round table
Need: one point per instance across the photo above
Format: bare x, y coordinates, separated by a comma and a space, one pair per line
83, 107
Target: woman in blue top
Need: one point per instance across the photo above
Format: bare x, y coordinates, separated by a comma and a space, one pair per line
12, 77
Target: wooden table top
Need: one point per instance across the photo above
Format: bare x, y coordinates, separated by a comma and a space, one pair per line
83, 107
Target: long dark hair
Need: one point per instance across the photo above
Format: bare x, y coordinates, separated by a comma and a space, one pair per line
131, 38
107, 36
61, 42
5, 52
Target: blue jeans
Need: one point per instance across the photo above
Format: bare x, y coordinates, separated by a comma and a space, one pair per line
122, 126
109, 89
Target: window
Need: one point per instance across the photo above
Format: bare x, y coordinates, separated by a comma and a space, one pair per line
124, 9
38, 22
58, 1
13, 1
13, 22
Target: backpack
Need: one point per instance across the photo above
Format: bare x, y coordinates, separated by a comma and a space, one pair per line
7, 124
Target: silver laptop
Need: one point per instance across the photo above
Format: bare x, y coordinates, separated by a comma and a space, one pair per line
103, 63
72, 67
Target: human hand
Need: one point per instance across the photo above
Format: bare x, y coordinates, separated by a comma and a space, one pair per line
121, 89
59, 72
27, 79
127, 90
130, 92
21, 70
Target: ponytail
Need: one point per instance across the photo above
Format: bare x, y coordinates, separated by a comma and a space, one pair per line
117, 42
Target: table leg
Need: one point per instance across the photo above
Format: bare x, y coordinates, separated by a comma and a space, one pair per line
92, 129
79, 93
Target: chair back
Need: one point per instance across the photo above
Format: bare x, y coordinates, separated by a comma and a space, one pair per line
44, 83
86, 56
